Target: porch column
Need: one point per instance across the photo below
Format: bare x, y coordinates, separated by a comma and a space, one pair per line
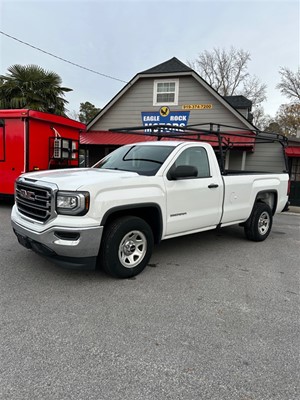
243, 160
227, 159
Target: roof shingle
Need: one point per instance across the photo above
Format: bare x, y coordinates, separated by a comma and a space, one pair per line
239, 101
172, 65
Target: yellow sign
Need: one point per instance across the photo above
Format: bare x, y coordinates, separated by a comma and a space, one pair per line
164, 111
197, 107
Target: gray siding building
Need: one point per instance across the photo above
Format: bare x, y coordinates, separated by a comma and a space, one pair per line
173, 94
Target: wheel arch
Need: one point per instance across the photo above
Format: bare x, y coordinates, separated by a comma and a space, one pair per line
269, 197
149, 212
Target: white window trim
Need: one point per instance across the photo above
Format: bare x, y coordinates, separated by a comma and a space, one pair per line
173, 103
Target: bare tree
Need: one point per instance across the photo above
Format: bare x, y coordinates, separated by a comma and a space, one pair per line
289, 85
227, 72
73, 115
254, 90
260, 119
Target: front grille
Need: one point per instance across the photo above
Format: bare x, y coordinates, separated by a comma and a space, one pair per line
34, 201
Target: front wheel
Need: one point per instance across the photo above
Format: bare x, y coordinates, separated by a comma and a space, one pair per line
126, 247
259, 224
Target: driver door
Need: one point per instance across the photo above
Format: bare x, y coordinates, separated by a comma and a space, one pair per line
193, 203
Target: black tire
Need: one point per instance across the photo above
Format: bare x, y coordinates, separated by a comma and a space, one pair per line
259, 224
126, 247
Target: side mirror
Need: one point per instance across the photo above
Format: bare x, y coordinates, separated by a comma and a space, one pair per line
183, 172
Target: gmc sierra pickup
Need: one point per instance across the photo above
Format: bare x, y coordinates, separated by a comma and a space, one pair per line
112, 214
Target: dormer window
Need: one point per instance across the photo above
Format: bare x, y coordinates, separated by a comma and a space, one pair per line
165, 92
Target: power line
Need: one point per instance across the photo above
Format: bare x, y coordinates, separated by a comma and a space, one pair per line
62, 59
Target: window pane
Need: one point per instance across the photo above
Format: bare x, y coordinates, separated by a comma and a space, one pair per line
165, 98
161, 87
197, 157
172, 86
145, 160
166, 87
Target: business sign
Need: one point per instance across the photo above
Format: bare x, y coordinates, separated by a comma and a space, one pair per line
171, 119
197, 107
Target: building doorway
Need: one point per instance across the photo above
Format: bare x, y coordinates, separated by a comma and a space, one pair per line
294, 170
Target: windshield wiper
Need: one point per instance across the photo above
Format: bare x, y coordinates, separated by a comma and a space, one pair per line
143, 159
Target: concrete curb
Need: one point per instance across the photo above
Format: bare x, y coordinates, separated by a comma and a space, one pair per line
292, 213
294, 210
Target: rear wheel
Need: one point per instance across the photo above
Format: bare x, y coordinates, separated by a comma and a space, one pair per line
259, 224
126, 247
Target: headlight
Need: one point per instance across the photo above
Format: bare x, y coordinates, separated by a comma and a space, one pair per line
72, 203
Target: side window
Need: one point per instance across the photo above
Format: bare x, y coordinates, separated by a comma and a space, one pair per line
197, 157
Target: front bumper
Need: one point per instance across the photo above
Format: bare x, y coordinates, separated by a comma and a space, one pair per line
68, 247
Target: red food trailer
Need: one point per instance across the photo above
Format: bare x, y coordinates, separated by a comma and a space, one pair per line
33, 140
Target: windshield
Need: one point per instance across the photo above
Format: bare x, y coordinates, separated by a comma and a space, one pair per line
145, 160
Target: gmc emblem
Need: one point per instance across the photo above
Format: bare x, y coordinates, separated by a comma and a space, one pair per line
26, 194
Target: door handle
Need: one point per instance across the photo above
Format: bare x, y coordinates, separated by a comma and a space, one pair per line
213, 185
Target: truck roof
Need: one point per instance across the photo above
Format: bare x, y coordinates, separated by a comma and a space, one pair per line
172, 143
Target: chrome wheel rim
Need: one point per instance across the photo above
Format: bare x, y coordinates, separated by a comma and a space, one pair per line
132, 249
264, 223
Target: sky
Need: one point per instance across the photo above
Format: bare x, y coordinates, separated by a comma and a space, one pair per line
119, 39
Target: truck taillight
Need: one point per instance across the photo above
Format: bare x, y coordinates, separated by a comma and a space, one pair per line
288, 187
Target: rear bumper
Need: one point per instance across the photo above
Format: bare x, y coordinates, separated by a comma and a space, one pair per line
68, 247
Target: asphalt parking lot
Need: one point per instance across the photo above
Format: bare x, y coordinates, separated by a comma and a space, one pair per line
213, 317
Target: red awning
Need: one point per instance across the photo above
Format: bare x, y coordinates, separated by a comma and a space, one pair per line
110, 138
118, 139
292, 151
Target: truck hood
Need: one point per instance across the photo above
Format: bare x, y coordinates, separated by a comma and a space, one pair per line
74, 179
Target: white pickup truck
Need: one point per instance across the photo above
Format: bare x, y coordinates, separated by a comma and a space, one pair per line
112, 214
